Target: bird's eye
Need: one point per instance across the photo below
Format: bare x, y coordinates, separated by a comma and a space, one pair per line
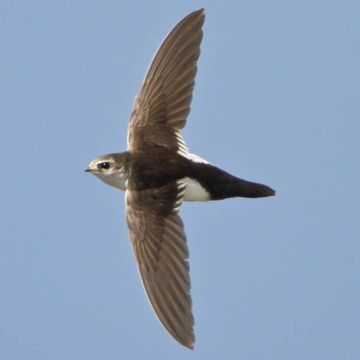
104, 165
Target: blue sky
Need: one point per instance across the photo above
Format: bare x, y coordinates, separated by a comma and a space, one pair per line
276, 101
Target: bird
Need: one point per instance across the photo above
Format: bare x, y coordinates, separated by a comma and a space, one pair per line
158, 173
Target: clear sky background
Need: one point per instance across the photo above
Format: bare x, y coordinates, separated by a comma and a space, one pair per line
276, 101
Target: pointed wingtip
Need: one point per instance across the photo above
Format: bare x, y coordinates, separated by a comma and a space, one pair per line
200, 12
189, 344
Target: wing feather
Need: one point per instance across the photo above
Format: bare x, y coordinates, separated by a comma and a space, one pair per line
159, 243
163, 104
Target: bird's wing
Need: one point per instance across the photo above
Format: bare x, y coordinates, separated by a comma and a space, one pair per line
160, 110
159, 243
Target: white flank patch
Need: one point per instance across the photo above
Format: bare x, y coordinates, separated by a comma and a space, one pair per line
194, 191
195, 158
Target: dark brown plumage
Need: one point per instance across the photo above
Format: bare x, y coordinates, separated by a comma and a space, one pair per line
156, 230
158, 173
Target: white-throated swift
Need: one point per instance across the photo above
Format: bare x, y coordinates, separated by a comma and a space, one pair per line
157, 173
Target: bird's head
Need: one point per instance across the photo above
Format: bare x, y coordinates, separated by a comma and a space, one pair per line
110, 169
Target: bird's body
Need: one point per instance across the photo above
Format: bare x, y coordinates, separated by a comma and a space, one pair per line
158, 172
159, 166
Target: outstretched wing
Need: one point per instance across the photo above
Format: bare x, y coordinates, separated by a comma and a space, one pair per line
159, 243
161, 108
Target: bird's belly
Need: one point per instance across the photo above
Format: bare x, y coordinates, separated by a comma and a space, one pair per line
194, 191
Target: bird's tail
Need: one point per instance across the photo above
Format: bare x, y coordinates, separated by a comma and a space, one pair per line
222, 185
250, 189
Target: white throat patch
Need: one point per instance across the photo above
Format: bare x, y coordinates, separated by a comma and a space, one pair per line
117, 180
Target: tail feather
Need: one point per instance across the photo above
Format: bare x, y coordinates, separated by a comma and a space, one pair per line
252, 189
222, 185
